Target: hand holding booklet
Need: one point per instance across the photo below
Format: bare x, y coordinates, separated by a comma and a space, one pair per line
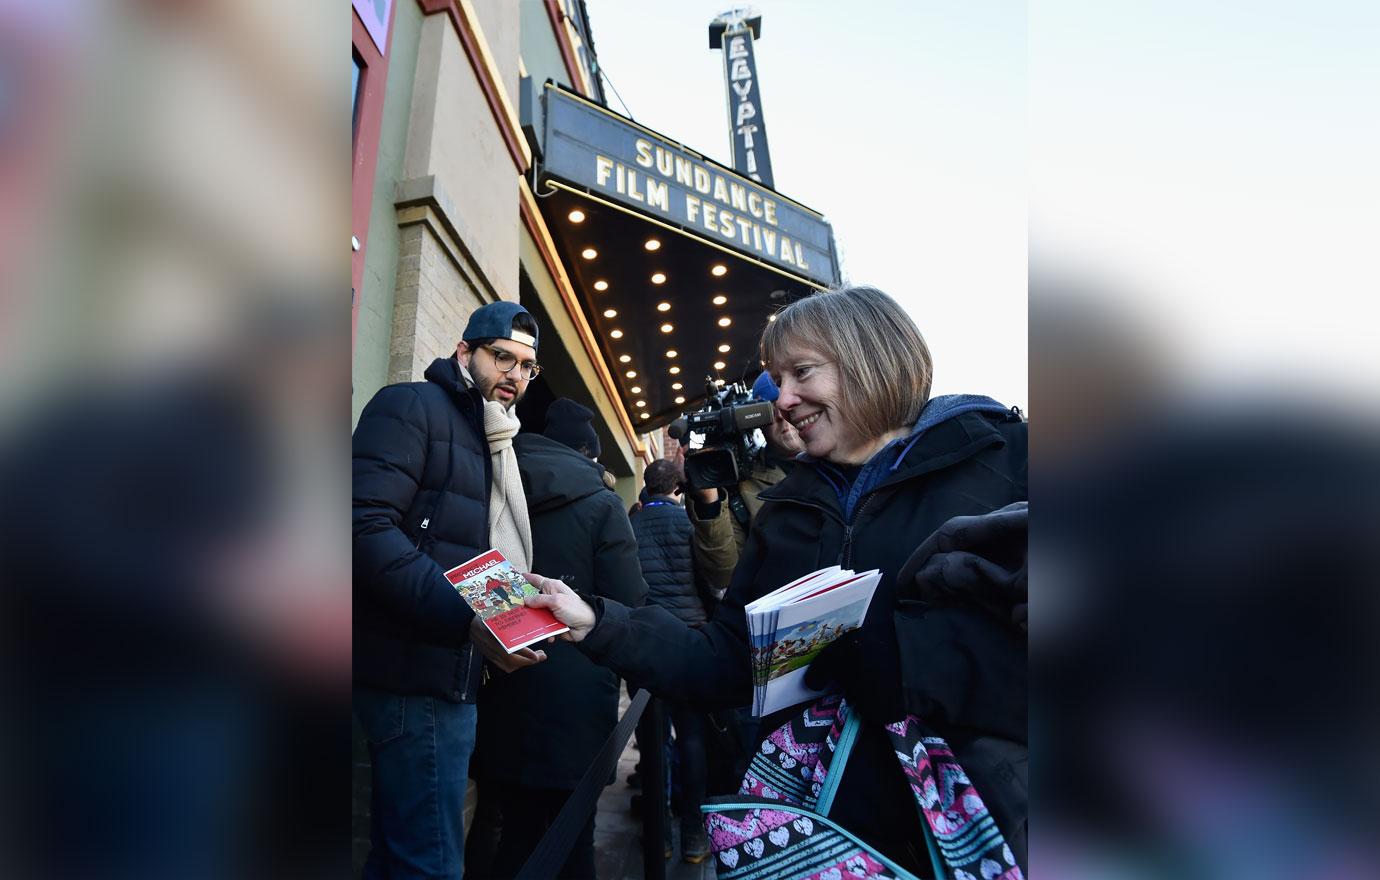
790, 626
495, 590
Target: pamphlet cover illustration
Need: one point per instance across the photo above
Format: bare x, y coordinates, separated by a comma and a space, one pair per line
798, 644
762, 613
495, 590
790, 626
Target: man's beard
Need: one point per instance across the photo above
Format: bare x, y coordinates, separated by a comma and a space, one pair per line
487, 387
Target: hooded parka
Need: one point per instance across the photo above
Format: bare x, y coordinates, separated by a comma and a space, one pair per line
542, 726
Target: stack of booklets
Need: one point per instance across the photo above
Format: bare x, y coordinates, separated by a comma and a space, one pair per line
791, 624
495, 590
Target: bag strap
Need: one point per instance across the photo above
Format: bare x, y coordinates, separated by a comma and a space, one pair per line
794, 761
961, 836
956, 821
833, 769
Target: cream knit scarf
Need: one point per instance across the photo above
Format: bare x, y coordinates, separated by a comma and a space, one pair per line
509, 528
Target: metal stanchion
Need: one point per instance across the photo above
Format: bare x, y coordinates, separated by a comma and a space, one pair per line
651, 738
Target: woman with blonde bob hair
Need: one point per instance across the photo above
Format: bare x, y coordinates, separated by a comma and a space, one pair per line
884, 467
864, 341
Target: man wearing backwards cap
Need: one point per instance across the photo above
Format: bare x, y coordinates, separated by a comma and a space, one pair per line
435, 482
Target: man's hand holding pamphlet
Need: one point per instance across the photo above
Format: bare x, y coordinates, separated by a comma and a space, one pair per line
791, 625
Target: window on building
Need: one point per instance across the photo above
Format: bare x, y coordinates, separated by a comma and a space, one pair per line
356, 75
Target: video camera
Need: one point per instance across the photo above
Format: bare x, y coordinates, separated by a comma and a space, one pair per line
732, 424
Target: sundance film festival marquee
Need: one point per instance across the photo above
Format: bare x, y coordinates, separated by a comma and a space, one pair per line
678, 261
487, 167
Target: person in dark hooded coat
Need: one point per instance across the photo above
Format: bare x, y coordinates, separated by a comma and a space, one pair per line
538, 735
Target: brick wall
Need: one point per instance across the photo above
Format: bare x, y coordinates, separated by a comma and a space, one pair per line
435, 293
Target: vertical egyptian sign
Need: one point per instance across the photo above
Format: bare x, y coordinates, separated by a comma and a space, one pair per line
747, 129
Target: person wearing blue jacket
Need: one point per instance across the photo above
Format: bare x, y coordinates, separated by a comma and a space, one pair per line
884, 466
663, 547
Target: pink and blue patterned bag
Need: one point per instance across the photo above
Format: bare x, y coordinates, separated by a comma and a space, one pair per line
778, 827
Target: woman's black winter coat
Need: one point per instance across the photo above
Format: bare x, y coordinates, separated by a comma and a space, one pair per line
971, 464
542, 726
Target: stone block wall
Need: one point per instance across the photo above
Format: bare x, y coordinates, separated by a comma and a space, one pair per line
435, 292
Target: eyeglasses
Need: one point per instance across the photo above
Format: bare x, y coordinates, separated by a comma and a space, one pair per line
506, 360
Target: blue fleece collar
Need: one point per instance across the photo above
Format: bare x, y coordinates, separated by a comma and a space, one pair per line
886, 460
941, 409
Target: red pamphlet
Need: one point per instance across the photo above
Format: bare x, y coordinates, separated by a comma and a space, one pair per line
495, 591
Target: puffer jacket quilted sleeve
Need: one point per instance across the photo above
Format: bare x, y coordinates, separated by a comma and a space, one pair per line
389, 454
663, 547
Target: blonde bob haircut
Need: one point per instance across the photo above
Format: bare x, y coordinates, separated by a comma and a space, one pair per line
884, 366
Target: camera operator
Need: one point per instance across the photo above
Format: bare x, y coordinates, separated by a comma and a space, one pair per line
722, 517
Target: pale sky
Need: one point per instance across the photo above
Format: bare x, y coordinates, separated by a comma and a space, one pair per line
1216, 162
1212, 164
904, 125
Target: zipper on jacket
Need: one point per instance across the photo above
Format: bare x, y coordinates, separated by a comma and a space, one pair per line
469, 659
796, 499
848, 529
824, 508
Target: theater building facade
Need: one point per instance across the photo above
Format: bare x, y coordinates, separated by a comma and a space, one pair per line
487, 166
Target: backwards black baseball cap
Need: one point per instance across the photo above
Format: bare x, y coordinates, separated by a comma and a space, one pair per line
495, 321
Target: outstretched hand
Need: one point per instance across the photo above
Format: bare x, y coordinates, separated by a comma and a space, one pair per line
496, 654
562, 601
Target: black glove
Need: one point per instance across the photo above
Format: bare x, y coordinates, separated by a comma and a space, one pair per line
974, 562
865, 666
963, 667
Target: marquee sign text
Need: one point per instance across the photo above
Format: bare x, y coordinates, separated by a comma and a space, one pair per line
591, 148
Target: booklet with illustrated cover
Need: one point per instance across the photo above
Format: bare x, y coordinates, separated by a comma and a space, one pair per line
495, 591
791, 625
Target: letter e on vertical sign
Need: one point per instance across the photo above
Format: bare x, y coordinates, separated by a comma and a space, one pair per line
746, 129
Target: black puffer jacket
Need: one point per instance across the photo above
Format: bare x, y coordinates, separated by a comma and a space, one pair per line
663, 546
421, 476
581, 534
973, 462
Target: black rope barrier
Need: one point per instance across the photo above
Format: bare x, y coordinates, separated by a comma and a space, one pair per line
550, 854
